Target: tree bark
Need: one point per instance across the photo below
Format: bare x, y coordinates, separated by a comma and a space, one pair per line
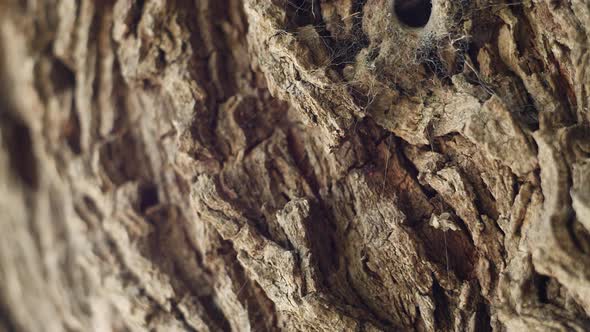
294, 165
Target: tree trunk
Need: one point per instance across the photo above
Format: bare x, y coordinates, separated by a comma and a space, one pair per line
294, 165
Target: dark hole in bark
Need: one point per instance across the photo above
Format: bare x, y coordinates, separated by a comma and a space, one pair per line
542, 283
148, 196
482, 317
413, 13
19, 144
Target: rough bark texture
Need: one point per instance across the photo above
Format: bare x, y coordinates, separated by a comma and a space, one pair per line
296, 165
